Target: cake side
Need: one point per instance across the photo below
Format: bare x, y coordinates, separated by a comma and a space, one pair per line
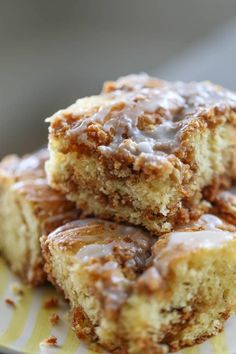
190, 273
28, 208
144, 150
176, 296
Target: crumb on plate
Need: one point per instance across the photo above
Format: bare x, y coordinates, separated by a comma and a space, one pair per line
54, 319
50, 303
50, 341
10, 302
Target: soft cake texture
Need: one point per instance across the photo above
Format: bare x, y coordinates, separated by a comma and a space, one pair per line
145, 150
28, 209
132, 293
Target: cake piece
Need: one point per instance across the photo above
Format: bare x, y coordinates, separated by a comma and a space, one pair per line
144, 150
133, 293
28, 208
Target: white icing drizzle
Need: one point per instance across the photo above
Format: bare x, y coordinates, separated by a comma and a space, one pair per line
139, 96
109, 229
199, 239
125, 122
228, 194
37, 190
211, 222
211, 236
31, 166
94, 251
103, 236
32, 162
208, 236
107, 251
40, 182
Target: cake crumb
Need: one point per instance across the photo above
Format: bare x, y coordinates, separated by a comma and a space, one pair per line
54, 319
51, 303
10, 302
50, 341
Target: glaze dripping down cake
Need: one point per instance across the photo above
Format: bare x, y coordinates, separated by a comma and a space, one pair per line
145, 151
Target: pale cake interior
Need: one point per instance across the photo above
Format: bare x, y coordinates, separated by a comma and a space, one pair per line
29, 208
156, 203
195, 302
20, 233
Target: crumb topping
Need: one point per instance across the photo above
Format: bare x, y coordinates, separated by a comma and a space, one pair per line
142, 117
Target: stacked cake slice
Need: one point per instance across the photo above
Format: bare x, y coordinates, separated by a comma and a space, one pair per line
133, 293
145, 151
29, 208
154, 268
